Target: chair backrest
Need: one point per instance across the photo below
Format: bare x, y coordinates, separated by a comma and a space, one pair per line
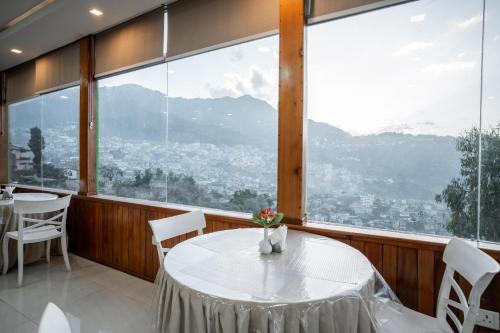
478, 269
174, 226
53, 320
26, 209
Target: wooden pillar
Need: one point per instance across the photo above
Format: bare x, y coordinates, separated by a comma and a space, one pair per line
291, 124
87, 118
4, 132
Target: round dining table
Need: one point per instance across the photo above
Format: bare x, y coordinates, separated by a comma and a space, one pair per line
33, 252
220, 282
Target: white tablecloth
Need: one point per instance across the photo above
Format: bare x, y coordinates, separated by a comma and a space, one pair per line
219, 282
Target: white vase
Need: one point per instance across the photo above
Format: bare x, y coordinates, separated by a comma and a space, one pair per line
264, 245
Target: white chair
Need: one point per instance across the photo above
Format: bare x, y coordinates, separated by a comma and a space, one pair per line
174, 226
33, 230
475, 266
53, 320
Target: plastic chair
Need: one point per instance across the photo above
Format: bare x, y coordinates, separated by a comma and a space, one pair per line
33, 230
174, 226
475, 266
53, 320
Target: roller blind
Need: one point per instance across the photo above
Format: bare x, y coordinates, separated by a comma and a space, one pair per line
323, 10
20, 82
197, 25
58, 69
131, 44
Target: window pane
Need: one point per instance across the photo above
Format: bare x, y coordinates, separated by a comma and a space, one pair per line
61, 137
25, 144
490, 178
222, 127
44, 140
393, 118
132, 134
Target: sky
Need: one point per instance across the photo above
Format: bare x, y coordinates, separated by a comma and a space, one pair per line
413, 68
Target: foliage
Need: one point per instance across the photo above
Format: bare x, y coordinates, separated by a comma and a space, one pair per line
36, 144
249, 201
461, 194
177, 188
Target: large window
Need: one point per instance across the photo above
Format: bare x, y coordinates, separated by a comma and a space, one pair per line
132, 150
209, 141
44, 140
490, 152
222, 127
394, 113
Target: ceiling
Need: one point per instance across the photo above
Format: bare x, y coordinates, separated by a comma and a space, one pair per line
58, 23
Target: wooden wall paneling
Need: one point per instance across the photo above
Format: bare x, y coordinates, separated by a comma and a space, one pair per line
91, 231
426, 282
374, 252
108, 229
151, 256
121, 232
291, 117
390, 265
343, 240
357, 244
407, 277
135, 243
88, 114
439, 268
4, 132
99, 234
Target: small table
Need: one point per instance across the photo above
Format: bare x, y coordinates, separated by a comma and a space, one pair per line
34, 196
220, 282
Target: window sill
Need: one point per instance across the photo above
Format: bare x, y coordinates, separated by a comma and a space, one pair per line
331, 230
434, 240
173, 206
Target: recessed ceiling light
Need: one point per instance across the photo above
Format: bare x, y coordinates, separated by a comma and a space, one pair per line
16, 51
95, 12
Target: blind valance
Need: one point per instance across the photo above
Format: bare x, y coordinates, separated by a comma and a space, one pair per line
20, 82
58, 69
197, 25
324, 10
131, 44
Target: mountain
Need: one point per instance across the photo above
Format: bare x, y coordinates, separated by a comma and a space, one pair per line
399, 162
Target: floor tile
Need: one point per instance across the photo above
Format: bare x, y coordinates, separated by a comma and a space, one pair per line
10, 318
110, 311
94, 297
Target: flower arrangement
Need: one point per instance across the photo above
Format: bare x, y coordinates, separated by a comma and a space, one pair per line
267, 217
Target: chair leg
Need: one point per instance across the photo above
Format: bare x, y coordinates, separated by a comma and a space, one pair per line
5, 250
65, 252
47, 254
20, 263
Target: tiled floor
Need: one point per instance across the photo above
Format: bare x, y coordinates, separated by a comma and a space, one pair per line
94, 297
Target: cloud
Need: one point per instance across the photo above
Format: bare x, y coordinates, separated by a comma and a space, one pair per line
412, 48
417, 18
470, 22
449, 67
263, 49
237, 54
255, 82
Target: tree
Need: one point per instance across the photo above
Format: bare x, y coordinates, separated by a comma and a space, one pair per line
36, 144
460, 195
249, 201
